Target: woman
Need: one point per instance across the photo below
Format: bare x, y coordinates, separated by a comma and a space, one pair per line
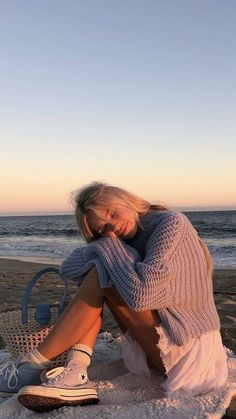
153, 271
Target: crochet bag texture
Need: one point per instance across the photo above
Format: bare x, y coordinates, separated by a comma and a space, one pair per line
24, 329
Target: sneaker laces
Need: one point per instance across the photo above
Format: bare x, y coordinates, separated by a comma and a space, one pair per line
53, 373
56, 373
9, 368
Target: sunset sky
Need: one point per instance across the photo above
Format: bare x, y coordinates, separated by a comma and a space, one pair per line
140, 94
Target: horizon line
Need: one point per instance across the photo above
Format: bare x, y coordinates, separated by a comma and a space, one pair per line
179, 208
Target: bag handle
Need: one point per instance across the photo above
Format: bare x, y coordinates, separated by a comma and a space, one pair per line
25, 301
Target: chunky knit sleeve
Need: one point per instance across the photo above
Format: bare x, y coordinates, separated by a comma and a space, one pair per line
143, 284
78, 264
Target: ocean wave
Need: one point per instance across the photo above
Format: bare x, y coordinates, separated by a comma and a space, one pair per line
33, 247
39, 232
51, 237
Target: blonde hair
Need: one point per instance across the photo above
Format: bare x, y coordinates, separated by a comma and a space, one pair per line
97, 196
207, 256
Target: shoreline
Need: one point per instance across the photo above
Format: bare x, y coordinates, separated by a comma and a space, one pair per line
58, 261
16, 274
32, 259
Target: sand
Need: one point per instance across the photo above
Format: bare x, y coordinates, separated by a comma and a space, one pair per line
15, 275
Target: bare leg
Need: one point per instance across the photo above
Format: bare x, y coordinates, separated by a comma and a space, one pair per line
81, 322
90, 336
141, 326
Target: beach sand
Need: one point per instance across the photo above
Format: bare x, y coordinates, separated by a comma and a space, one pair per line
15, 275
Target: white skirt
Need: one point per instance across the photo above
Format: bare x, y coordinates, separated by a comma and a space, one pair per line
192, 369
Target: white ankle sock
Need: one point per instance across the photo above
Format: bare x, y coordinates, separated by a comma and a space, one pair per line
81, 353
35, 358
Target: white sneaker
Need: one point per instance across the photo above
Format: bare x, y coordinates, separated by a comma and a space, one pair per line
67, 386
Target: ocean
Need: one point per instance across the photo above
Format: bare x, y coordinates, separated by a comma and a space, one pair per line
49, 239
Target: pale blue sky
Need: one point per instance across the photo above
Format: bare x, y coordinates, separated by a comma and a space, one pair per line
141, 94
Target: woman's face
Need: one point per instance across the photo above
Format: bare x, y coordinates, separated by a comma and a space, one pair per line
119, 222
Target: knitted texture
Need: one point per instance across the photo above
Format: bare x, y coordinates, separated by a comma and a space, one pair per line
163, 268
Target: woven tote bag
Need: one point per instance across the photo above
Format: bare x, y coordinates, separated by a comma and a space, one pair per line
24, 329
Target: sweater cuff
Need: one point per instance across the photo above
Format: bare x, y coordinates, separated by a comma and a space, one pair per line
72, 265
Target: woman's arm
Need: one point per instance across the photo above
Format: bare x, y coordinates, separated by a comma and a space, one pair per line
77, 265
143, 284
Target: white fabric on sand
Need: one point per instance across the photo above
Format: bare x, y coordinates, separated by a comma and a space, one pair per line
126, 395
197, 367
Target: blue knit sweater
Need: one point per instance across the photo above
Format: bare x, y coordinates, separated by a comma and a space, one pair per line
163, 268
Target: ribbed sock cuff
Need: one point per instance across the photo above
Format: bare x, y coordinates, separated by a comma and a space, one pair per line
35, 358
82, 348
81, 353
